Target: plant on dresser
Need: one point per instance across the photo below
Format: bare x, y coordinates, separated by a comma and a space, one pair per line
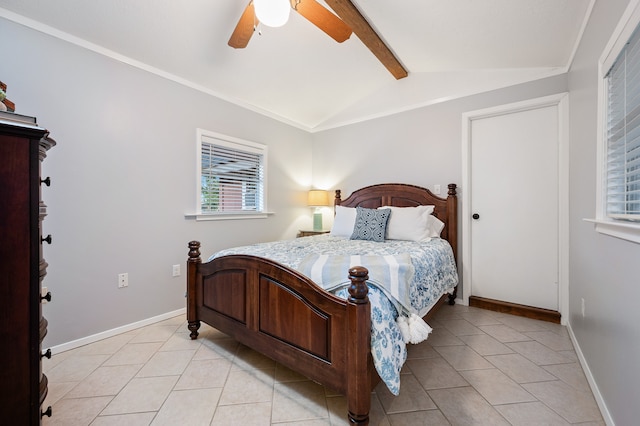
23, 386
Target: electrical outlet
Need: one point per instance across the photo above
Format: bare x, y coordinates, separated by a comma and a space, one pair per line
123, 280
583, 307
176, 270
436, 189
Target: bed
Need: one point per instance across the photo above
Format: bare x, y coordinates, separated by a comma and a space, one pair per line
283, 314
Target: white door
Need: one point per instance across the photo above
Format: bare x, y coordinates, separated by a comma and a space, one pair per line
513, 173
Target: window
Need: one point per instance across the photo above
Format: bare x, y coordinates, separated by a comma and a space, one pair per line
618, 165
231, 176
623, 133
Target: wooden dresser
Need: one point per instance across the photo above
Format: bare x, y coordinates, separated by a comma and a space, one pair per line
23, 387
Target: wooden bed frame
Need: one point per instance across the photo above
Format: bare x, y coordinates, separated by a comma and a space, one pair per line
284, 315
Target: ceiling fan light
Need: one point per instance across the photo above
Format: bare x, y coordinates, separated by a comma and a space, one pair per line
272, 13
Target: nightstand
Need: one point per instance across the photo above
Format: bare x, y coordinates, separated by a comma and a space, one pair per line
309, 233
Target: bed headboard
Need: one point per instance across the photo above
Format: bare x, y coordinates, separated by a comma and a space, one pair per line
404, 195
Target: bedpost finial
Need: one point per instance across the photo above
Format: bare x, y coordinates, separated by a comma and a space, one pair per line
358, 289
452, 189
338, 197
194, 251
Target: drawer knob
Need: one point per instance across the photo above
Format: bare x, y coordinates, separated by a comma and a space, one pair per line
46, 181
46, 413
46, 297
47, 354
47, 239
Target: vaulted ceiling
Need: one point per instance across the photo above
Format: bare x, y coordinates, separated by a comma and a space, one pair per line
301, 76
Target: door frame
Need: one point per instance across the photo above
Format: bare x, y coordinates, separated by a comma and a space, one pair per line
560, 100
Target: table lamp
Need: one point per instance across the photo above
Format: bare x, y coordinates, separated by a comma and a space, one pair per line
318, 198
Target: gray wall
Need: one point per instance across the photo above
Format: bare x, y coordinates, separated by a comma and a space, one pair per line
124, 176
421, 147
604, 270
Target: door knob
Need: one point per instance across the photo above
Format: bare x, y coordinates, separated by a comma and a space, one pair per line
476, 216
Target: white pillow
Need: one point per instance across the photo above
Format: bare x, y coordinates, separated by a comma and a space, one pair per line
410, 223
343, 222
435, 226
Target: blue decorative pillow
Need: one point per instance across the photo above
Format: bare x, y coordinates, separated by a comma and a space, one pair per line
371, 224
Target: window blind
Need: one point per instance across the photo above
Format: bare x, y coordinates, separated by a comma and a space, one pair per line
232, 178
623, 133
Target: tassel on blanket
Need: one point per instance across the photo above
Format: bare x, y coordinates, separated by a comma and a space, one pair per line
414, 329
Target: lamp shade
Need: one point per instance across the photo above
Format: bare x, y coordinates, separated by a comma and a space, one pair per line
272, 13
318, 198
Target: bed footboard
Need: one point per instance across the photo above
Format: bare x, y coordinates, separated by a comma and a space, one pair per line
284, 315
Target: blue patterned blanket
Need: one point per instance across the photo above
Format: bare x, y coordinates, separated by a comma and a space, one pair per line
391, 273
435, 273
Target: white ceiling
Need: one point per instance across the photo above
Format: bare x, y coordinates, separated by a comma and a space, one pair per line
299, 75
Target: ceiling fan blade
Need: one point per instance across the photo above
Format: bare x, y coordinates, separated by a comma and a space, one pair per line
322, 18
244, 29
354, 19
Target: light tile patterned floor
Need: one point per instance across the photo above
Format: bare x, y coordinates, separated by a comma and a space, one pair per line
477, 368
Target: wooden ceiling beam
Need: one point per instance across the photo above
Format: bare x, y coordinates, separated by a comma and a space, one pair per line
347, 11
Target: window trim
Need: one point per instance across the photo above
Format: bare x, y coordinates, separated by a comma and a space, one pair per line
236, 143
623, 229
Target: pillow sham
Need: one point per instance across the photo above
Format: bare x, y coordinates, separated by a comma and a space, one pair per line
343, 222
371, 224
435, 226
412, 223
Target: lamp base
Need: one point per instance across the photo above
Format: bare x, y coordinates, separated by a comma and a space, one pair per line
317, 221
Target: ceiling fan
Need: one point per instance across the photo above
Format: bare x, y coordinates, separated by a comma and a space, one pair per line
313, 11
338, 27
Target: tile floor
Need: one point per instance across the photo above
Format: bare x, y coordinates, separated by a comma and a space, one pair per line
478, 367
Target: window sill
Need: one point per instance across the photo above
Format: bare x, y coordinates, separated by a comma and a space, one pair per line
226, 216
626, 230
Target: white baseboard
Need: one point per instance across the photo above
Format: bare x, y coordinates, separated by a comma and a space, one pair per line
606, 416
115, 331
